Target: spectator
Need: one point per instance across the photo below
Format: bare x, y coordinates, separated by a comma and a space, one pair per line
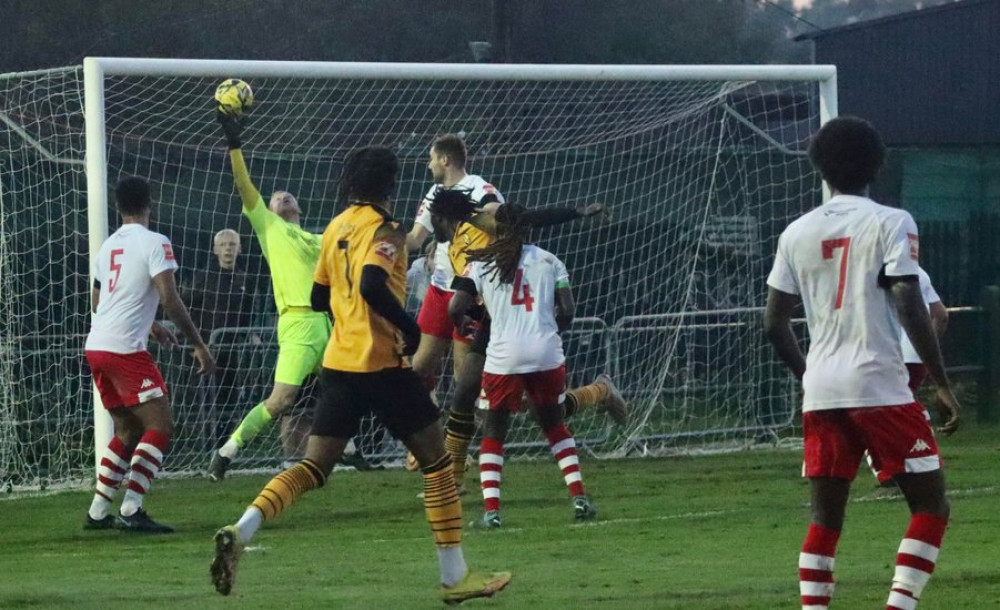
223, 296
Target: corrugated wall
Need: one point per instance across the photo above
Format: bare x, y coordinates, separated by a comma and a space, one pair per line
932, 77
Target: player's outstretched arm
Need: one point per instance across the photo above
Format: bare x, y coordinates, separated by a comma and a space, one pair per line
778, 329
178, 313
916, 321
232, 127
548, 217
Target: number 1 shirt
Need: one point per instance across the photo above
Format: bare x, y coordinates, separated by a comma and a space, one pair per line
833, 258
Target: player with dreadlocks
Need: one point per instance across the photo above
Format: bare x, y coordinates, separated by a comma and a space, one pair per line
457, 221
526, 292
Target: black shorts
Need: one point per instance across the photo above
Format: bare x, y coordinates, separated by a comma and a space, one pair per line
482, 338
397, 397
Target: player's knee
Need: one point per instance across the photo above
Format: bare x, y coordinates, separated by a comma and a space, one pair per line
129, 436
549, 417
277, 404
936, 505
163, 426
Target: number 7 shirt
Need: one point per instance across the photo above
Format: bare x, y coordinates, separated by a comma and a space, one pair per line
833, 257
524, 336
123, 271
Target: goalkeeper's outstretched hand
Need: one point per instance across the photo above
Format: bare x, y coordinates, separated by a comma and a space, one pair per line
232, 127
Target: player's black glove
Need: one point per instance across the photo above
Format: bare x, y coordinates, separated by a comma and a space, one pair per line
232, 126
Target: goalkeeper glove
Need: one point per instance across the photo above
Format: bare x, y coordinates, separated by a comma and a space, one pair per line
232, 127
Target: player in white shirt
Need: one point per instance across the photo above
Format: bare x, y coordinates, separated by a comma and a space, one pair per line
853, 264
446, 163
527, 295
133, 273
914, 366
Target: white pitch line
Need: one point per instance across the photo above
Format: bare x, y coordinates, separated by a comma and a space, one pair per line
966, 492
675, 517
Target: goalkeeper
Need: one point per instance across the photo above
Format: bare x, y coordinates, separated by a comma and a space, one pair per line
291, 253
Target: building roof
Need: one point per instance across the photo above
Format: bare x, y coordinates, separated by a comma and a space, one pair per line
914, 14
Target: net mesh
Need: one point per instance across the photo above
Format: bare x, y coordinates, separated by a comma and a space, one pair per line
700, 178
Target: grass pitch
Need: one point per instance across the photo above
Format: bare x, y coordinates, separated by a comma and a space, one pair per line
715, 532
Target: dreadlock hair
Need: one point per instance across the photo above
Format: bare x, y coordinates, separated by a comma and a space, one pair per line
452, 204
369, 174
504, 252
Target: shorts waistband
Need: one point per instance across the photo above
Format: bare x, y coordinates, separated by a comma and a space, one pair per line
298, 310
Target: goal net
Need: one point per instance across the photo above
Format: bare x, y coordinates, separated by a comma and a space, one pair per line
701, 168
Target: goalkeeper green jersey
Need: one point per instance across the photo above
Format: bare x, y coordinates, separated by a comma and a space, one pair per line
291, 252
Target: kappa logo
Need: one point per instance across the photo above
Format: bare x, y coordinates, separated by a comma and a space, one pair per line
146, 383
919, 446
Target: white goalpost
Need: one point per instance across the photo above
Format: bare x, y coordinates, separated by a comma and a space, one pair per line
701, 167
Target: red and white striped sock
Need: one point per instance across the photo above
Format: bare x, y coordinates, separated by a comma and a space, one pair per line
816, 567
915, 561
146, 461
564, 449
490, 472
114, 465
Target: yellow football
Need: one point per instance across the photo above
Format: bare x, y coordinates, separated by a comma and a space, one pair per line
234, 96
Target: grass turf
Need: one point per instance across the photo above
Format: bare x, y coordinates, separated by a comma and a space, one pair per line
712, 532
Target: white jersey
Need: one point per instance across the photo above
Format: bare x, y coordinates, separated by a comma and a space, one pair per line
930, 295
524, 337
125, 267
477, 188
832, 257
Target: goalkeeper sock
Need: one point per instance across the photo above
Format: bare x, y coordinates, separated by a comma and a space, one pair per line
586, 397
249, 428
283, 490
114, 466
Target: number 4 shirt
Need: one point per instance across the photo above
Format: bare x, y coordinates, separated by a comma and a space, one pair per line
832, 257
124, 270
524, 336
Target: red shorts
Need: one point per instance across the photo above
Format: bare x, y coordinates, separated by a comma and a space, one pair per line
544, 388
433, 318
125, 380
899, 440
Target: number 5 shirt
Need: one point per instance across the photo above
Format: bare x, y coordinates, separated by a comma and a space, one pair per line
124, 270
833, 257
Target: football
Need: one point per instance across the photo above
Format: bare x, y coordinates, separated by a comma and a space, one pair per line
234, 96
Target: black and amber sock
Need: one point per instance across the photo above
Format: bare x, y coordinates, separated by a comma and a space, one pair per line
444, 510
586, 397
286, 488
458, 435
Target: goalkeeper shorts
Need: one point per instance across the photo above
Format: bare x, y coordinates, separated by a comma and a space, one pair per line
302, 339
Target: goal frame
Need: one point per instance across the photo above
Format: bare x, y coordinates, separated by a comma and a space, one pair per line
95, 69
